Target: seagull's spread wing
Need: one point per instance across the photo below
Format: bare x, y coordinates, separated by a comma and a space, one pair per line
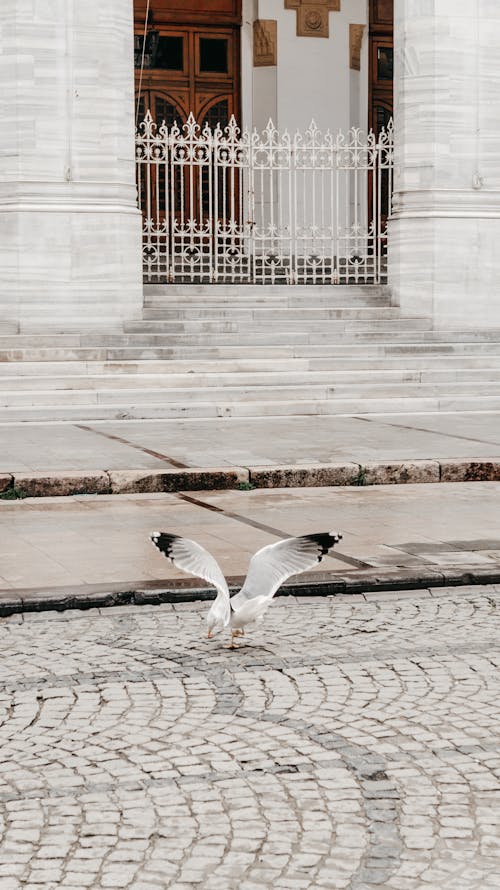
194, 559
272, 565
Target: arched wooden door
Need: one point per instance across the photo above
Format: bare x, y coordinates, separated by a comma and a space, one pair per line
381, 100
381, 63
188, 63
190, 59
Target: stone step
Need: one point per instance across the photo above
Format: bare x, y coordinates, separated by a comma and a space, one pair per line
243, 393
350, 333
448, 362
273, 331
341, 406
344, 350
292, 302
260, 291
406, 331
211, 379
266, 315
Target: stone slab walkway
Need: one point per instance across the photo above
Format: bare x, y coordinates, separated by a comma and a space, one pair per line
409, 534
348, 745
150, 444
41, 460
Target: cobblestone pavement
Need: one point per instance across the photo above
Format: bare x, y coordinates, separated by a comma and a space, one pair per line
347, 744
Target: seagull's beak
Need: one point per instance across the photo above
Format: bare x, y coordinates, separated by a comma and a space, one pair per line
209, 634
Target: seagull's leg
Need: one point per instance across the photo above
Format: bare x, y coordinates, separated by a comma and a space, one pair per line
232, 644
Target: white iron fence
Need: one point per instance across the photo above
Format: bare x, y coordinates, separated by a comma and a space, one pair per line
224, 206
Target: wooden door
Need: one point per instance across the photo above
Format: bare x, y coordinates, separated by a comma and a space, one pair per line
190, 60
381, 64
381, 100
189, 63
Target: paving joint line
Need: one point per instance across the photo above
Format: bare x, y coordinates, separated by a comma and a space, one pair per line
163, 457
279, 533
421, 429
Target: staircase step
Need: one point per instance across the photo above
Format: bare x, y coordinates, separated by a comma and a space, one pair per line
260, 291
447, 362
267, 315
332, 301
309, 391
390, 333
277, 320
232, 350
347, 406
224, 352
210, 379
333, 321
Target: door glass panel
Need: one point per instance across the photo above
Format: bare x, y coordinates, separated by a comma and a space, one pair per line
385, 62
383, 117
213, 55
170, 54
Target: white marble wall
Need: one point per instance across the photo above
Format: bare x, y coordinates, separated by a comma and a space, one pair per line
444, 256
312, 78
70, 243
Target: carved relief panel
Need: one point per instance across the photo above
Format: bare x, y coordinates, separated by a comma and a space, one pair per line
312, 16
265, 43
355, 41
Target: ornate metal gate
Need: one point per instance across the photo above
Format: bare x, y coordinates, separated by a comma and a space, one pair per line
220, 205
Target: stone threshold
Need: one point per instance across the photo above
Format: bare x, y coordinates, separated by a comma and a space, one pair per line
360, 585
68, 483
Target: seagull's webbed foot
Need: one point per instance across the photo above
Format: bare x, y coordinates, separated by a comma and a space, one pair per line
234, 635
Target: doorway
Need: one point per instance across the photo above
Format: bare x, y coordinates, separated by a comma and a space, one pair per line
381, 54
190, 60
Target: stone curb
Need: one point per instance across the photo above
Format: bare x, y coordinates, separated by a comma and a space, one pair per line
67, 483
366, 582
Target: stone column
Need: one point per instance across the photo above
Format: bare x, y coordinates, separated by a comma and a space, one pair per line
70, 231
444, 238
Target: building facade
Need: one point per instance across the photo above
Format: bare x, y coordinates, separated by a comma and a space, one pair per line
77, 79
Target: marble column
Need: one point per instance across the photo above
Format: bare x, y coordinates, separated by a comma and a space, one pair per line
444, 253
70, 231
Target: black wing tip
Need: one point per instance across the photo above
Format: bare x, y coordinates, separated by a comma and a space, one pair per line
164, 541
326, 541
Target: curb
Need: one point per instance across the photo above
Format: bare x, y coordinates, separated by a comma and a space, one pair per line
363, 582
15, 486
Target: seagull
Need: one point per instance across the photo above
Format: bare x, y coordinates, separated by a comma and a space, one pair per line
268, 570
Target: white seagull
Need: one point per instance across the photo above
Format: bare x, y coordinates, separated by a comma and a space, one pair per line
268, 569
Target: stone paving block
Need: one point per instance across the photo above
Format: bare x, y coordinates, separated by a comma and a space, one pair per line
299, 476
417, 471
401, 594
207, 479
40, 485
470, 470
6, 481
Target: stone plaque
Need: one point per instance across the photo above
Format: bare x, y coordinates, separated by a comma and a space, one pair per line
312, 16
265, 43
355, 41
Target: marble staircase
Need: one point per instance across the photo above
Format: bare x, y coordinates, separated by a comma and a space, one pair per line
242, 351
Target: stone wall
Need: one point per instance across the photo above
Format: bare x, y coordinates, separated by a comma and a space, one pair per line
70, 244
